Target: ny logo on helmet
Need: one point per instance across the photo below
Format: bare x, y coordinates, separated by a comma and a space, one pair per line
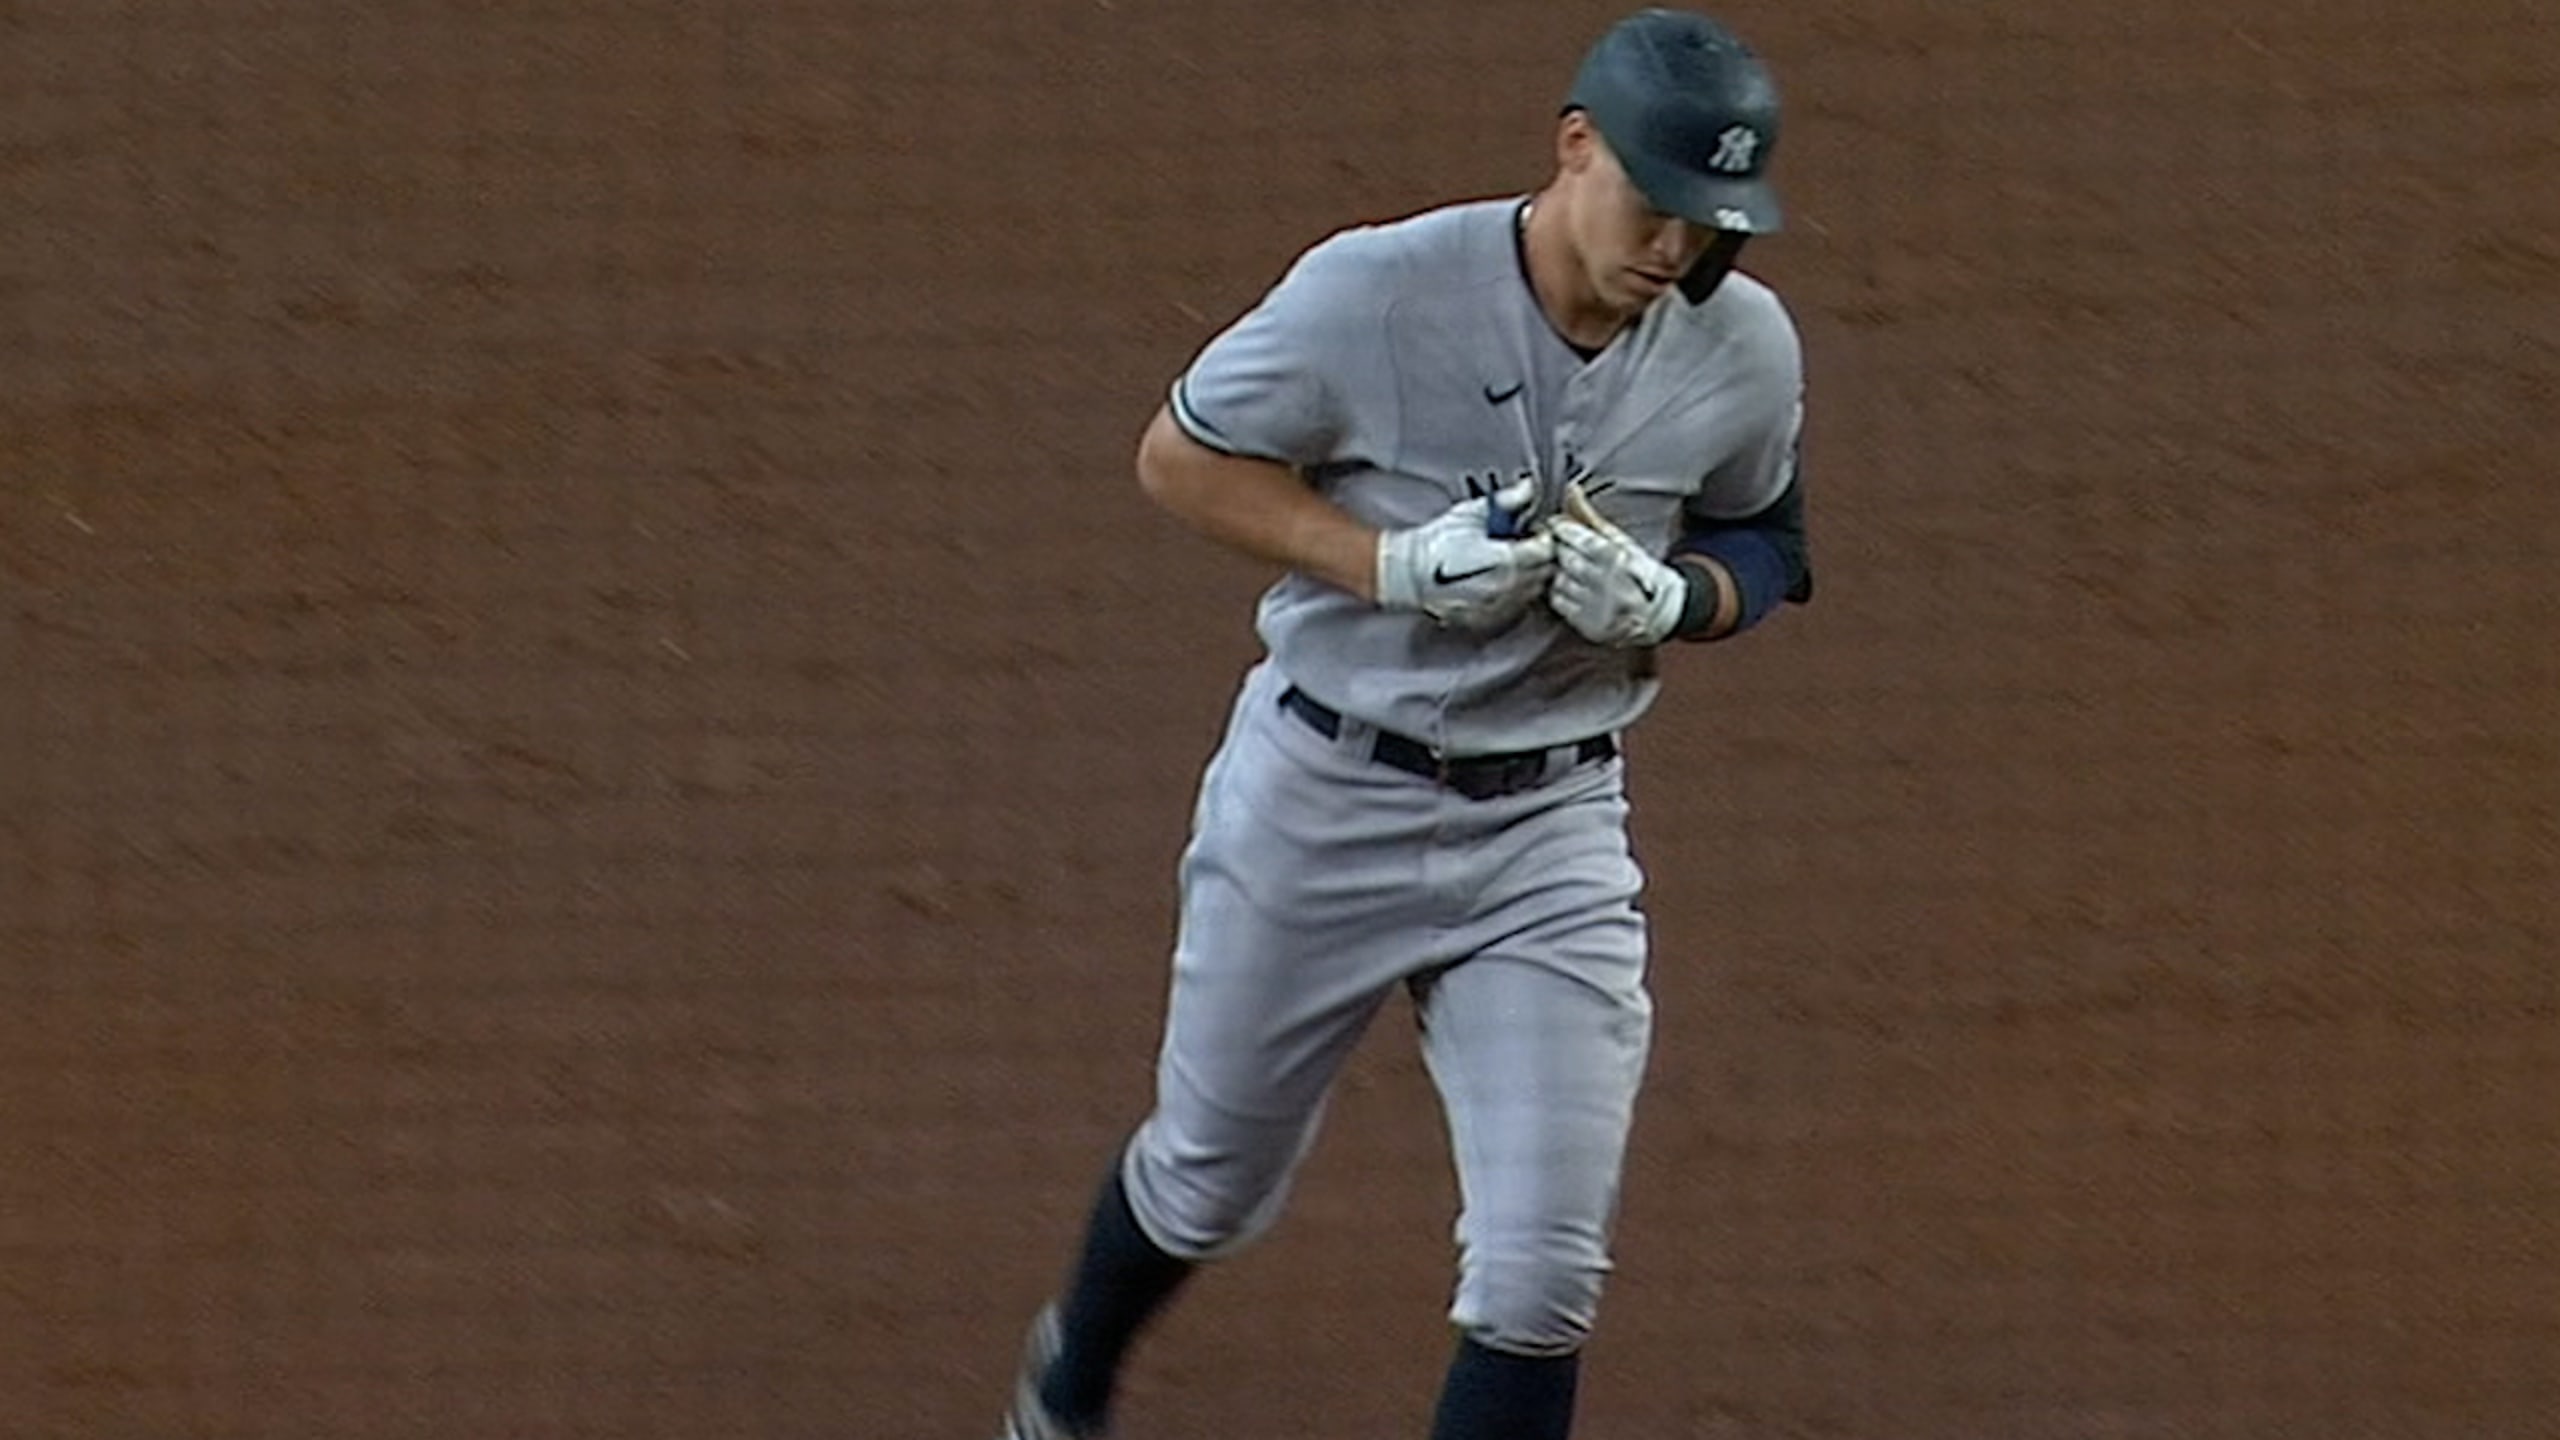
1736, 148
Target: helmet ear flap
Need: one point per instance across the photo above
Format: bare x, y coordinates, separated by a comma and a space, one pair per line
1713, 265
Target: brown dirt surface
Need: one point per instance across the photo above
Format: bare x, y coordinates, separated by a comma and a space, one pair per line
594, 733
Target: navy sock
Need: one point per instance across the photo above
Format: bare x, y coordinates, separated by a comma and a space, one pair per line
1493, 1396
1120, 1281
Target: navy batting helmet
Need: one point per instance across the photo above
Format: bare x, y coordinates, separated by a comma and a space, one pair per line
1691, 114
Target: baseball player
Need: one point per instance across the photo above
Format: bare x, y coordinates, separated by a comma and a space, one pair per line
1504, 451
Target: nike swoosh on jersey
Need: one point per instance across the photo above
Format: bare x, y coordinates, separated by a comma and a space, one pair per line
1496, 397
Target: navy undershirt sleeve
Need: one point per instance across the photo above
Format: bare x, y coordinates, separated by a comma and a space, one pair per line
1764, 553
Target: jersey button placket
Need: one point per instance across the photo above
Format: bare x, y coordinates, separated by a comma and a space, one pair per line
1569, 434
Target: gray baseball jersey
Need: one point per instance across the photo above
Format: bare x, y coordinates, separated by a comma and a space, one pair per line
1406, 366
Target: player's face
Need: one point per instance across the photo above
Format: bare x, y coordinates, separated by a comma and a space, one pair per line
1630, 252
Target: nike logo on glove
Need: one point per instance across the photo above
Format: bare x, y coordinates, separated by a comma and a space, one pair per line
1440, 574
1496, 397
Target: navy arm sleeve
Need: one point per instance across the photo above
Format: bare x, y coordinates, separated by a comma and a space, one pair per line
1766, 555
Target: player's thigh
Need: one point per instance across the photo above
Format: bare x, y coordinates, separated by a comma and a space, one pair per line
1301, 910
1257, 1027
1299, 919
1538, 1041
1538, 1069
1261, 1013
1538, 1072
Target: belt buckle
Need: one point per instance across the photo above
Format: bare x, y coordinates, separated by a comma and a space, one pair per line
1491, 780
1445, 771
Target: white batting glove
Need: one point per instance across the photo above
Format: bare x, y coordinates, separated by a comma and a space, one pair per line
1608, 587
1453, 569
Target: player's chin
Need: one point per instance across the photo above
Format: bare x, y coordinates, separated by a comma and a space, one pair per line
1643, 287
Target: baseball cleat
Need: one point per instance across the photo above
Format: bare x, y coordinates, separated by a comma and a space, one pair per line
1029, 1419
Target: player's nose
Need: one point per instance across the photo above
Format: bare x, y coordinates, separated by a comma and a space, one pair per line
1679, 243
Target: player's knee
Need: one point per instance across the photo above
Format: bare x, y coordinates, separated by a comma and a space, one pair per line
1201, 1203
1530, 1306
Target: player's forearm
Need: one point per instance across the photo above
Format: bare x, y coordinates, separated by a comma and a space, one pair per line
1256, 506
1742, 570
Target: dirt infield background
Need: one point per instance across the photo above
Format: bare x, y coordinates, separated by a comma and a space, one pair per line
592, 733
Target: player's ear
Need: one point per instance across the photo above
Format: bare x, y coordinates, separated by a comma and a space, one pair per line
1576, 140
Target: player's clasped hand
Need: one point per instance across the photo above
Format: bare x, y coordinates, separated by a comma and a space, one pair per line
1607, 587
1454, 569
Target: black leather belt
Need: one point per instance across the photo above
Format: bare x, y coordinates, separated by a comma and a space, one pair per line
1478, 777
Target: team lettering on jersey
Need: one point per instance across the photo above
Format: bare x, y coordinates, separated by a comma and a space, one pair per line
1486, 482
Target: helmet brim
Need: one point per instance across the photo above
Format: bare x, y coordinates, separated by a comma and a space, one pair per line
1745, 204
